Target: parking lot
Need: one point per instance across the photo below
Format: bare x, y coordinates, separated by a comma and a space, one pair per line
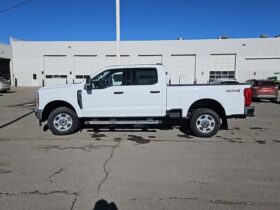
134, 169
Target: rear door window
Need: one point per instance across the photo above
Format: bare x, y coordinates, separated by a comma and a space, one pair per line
144, 76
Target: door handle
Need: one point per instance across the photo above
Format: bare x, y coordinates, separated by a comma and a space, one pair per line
155, 91
118, 92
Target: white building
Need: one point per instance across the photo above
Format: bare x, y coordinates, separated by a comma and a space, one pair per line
37, 63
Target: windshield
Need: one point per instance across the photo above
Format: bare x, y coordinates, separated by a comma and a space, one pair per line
265, 83
101, 76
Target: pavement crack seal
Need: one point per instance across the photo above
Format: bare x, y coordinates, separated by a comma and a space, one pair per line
37, 192
55, 173
225, 202
73, 203
17, 119
83, 148
106, 171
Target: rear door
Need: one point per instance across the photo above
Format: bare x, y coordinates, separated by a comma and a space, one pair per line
145, 95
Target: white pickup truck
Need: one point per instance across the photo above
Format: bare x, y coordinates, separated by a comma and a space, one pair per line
138, 95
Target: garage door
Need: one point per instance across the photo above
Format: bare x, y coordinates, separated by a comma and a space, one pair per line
182, 69
222, 67
149, 59
56, 70
260, 68
85, 65
112, 60
222, 62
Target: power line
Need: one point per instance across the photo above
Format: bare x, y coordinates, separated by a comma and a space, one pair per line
14, 6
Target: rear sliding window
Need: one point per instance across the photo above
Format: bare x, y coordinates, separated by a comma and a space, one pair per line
144, 76
265, 83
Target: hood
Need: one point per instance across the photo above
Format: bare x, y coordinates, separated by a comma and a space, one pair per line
57, 87
69, 87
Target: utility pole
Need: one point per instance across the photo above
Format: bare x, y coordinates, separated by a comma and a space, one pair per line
118, 32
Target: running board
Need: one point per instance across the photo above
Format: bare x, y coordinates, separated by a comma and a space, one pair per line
123, 122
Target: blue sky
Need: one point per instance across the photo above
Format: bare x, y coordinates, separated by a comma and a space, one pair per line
140, 19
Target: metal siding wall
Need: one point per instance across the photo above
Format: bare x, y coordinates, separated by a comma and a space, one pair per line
112, 60
84, 65
149, 59
55, 65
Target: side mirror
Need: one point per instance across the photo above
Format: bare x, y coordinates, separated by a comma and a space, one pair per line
88, 85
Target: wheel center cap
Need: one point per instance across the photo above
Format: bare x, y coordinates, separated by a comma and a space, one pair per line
205, 124
62, 122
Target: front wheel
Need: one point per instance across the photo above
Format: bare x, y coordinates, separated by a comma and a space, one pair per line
205, 123
63, 121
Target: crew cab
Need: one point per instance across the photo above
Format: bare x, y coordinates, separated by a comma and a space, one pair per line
138, 95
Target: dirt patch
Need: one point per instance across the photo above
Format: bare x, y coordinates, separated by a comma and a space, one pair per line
258, 128
233, 140
138, 139
117, 139
5, 171
261, 141
185, 136
96, 135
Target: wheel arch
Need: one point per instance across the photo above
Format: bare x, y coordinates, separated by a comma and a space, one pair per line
53, 105
213, 105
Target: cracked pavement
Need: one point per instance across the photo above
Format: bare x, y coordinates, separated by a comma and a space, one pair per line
155, 169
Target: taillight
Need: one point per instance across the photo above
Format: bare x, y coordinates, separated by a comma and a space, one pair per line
248, 96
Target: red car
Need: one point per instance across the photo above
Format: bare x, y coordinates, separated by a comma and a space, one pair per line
264, 89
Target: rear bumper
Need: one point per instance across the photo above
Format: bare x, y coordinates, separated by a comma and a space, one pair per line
249, 111
265, 96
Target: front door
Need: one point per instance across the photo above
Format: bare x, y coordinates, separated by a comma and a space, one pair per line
107, 98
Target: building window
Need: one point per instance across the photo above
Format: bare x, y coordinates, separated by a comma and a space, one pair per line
221, 75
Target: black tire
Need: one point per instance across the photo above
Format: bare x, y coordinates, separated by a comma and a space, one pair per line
60, 118
273, 100
205, 123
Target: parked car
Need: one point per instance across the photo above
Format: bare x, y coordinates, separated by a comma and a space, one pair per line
276, 79
4, 84
137, 95
264, 89
224, 82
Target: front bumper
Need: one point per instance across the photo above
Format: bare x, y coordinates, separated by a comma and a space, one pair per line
39, 115
5, 88
249, 111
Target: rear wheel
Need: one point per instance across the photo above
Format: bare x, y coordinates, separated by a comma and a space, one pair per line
63, 121
274, 100
205, 123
